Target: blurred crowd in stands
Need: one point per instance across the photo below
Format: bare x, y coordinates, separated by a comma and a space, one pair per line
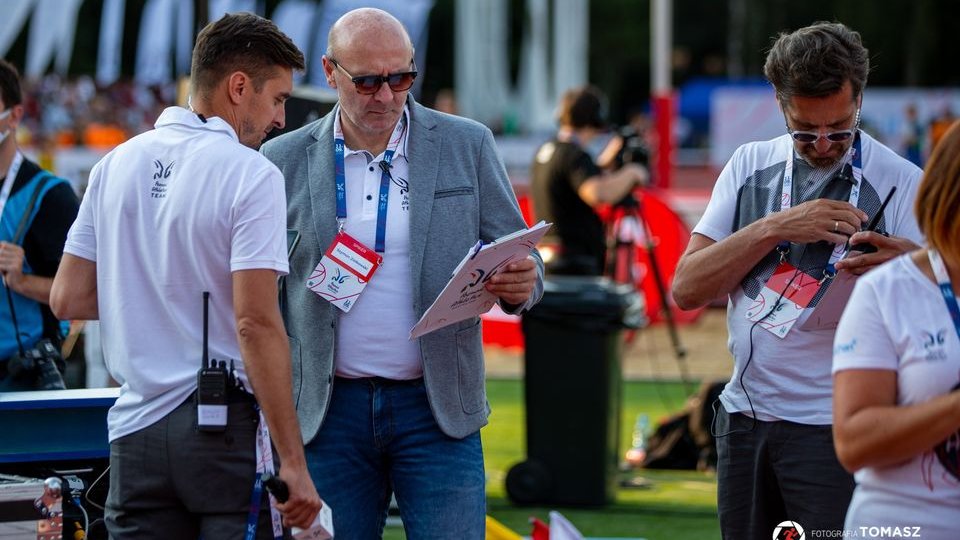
69, 112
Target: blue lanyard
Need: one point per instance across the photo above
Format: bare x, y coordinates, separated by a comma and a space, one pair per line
385, 178
946, 288
254, 514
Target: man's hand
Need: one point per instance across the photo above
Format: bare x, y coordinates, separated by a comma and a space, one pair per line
819, 219
888, 247
304, 504
515, 283
11, 264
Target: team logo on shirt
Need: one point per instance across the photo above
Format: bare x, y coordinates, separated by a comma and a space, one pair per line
788, 530
160, 175
404, 186
934, 348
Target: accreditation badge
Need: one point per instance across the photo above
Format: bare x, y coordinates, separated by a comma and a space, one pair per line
344, 271
797, 290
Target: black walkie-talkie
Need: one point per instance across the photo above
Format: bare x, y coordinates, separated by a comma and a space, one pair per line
211, 384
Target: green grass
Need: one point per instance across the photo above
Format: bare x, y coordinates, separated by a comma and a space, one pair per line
677, 505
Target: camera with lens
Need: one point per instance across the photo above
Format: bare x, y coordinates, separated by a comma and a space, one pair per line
634, 150
38, 368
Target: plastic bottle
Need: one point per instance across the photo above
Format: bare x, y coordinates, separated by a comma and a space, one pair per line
638, 448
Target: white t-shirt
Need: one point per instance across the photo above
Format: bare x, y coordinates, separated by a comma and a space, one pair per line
373, 337
897, 320
167, 215
789, 378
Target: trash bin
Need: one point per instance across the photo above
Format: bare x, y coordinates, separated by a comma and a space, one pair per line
572, 391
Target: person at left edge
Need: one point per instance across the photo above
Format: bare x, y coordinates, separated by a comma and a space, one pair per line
27, 269
186, 208
381, 413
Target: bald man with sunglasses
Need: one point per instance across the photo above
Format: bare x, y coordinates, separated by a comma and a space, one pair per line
786, 216
383, 177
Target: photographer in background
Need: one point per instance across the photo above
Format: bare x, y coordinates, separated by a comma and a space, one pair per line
36, 210
566, 185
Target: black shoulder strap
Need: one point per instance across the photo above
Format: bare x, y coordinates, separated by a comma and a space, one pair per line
18, 236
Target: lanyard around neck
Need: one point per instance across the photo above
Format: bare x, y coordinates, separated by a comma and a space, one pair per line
786, 195
856, 161
341, 181
946, 288
8, 181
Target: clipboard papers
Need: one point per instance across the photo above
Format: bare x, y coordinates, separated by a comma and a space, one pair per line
465, 294
826, 314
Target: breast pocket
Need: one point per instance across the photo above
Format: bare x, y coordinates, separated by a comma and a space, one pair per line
453, 192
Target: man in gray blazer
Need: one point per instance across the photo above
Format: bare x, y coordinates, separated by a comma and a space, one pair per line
381, 413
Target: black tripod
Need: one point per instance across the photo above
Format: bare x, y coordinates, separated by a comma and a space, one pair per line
627, 231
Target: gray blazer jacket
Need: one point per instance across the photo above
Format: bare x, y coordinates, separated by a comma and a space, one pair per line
459, 193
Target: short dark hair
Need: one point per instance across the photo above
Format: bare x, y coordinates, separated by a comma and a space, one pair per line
241, 42
816, 61
10, 92
584, 106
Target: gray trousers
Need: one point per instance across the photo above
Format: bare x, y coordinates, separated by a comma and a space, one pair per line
775, 472
169, 480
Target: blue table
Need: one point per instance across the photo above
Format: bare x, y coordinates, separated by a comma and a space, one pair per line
55, 425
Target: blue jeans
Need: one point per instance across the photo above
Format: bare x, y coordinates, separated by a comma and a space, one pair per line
379, 437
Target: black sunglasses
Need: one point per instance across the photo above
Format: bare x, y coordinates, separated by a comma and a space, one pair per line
370, 84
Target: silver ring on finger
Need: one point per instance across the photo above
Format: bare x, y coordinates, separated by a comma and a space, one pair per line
836, 226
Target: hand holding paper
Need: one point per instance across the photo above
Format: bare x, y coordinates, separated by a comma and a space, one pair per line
514, 283
500, 268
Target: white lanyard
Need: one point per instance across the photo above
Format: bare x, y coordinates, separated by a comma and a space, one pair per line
8, 181
786, 194
264, 467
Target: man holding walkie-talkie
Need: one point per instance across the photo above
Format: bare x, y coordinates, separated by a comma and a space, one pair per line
177, 248
789, 220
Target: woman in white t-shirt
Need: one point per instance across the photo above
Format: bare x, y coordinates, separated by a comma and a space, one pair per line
896, 365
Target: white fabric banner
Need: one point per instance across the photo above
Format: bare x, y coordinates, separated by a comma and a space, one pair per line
70, 10
16, 12
296, 19
184, 38
414, 15
111, 41
155, 43
536, 95
571, 28
482, 64
51, 33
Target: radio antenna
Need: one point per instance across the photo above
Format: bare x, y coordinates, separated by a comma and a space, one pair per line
206, 304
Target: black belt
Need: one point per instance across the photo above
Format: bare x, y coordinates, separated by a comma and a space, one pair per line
379, 381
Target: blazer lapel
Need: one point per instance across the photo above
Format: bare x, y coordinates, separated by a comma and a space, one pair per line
424, 147
320, 179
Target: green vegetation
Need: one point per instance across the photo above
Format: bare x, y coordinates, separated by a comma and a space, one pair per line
675, 505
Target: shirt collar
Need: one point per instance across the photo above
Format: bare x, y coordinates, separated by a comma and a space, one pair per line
401, 148
178, 116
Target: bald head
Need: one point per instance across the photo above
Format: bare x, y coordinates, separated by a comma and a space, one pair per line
366, 25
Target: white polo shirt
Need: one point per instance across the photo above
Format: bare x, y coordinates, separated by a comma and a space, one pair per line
372, 338
167, 215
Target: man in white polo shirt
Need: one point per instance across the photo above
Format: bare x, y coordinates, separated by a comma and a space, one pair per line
168, 216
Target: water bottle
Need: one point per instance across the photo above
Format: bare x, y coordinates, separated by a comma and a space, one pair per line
638, 447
